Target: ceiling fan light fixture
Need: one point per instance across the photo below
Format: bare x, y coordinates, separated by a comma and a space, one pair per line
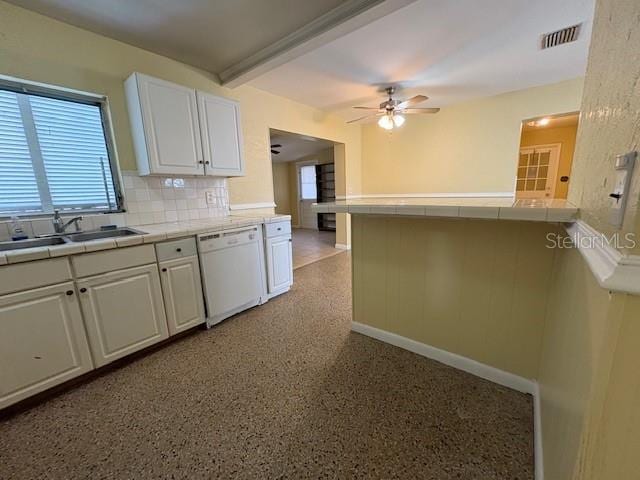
386, 122
398, 120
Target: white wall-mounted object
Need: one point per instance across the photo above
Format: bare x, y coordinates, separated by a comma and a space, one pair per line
615, 271
221, 133
181, 284
123, 312
624, 168
42, 341
279, 257
178, 131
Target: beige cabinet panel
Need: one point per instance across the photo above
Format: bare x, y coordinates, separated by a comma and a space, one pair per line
123, 312
279, 263
42, 341
182, 291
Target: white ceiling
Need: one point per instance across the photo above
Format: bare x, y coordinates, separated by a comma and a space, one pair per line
448, 50
296, 146
210, 34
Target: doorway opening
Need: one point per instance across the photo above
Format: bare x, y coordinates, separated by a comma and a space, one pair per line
547, 146
304, 173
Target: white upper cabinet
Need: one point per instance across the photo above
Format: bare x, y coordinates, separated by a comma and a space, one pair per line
221, 135
164, 122
178, 131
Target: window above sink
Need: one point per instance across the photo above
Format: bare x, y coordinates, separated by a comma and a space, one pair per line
55, 151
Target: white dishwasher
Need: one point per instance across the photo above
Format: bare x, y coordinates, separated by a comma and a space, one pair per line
232, 264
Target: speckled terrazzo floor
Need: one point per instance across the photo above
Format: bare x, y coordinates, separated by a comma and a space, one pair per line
282, 391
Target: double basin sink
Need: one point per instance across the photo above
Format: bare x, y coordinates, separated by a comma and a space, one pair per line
65, 238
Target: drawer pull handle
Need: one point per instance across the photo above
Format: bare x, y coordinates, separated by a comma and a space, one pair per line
178, 249
279, 228
164, 269
69, 292
82, 290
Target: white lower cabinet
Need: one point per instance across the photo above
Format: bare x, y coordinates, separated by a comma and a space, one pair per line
279, 264
182, 291
123, 312
42, 341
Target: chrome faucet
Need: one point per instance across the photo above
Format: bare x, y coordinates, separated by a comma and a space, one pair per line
60, 226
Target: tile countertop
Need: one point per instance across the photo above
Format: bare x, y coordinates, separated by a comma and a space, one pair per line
155, 232
505, 208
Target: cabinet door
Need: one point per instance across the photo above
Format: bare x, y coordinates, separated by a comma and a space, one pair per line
279, 263
123, 312
171, 129
221, 133
182, 292
42, 341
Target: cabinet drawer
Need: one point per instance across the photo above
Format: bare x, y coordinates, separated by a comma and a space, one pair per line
277, 229
24, 276
185, 247
111, 260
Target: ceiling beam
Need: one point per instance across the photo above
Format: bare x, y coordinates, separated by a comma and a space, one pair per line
345, 18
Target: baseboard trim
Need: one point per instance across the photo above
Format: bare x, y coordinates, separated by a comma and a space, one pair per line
478, 369
251, 206
343, 246
465, 364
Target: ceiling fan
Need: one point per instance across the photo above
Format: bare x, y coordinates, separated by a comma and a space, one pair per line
273, 148
391, 111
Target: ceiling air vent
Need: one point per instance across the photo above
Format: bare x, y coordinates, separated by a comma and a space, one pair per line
566, 35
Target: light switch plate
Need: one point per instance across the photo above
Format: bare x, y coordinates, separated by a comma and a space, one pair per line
210, 197
624, 168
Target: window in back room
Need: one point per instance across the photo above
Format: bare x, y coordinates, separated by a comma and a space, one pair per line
54, 152
546, 154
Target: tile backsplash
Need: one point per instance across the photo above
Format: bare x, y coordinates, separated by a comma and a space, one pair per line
171, 199
148, 200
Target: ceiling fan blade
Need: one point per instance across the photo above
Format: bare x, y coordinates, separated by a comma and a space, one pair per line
412, 101
277, 145
367, 108
362, 118
275, 152
420, 110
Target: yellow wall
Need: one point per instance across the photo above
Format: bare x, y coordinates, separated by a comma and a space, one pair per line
477, 288
468, 147
566, 136
41, 49
609, 121
282, 188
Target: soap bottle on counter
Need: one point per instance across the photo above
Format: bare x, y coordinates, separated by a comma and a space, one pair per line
17, 233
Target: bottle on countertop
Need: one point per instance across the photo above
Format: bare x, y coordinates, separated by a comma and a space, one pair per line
17, 233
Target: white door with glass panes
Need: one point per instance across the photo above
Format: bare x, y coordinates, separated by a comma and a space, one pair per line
308, 196
537, 171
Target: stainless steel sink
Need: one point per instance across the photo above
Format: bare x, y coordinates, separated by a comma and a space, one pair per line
32, 242
58, 239
96, 235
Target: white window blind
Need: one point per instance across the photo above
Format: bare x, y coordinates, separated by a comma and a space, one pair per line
18, 186
53, 155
